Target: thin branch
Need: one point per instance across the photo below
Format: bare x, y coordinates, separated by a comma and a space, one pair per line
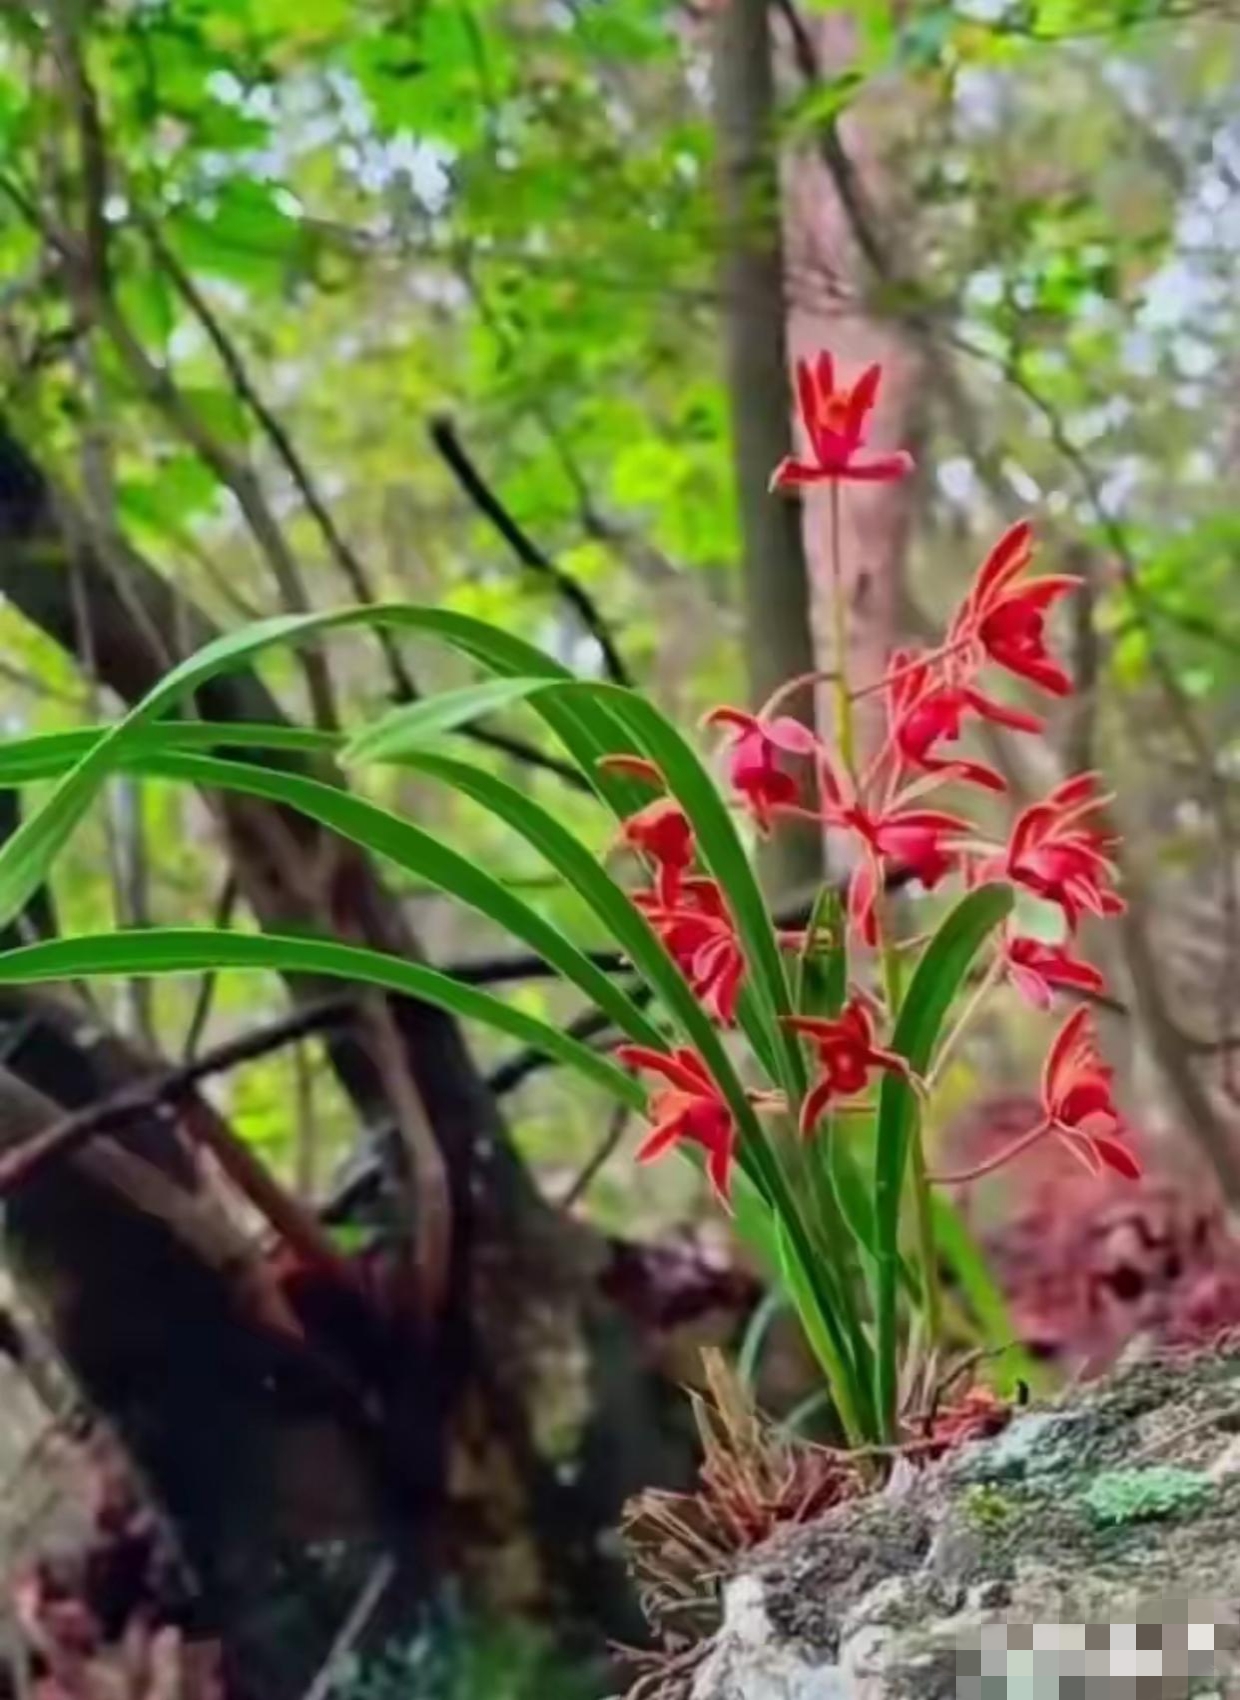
164, 1092
599, 1157
529, 755
593, 1025
328, 1678
444, 436
644, 557
200, 1014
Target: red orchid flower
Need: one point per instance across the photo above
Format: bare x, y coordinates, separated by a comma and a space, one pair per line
1053, 854
1007, 620
1077, 1099
1036, 969
1077, 1107
663, 833
847, 1056
835, 422
699, 935
753, 764
689, 1109
897, 838
924, 707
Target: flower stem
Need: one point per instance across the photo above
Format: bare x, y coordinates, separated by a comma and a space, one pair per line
927, 1251
981, 992
1014, 1149
779, 696
930, 659
923, 1218
844, 730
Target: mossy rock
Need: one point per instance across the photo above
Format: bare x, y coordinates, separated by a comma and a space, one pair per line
1112, 1515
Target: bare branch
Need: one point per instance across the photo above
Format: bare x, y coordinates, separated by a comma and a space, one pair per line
448, 443
599, 1157
176, 1088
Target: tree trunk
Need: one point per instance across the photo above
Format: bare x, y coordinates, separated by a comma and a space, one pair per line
257, 1451
775, 591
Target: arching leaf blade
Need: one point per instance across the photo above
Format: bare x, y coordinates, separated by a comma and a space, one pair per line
417, 852
182, 950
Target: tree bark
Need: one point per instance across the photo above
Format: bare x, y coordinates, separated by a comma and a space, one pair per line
775, 588
255, 1451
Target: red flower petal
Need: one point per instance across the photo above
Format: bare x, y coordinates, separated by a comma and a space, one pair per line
789, 735
673, 1068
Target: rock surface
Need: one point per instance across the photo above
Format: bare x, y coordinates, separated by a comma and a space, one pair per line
1091, 1549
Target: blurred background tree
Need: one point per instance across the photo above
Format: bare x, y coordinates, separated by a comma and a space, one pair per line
489, 303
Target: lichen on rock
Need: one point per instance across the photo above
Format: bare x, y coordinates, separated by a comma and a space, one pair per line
1099, 1537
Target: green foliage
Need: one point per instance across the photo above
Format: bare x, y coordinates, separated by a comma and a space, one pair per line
1140, 1495
466, 1658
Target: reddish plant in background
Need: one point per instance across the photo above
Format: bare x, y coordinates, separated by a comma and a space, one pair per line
1088, 1261
107, 1620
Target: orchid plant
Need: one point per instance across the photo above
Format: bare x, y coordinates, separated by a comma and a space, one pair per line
796, 1066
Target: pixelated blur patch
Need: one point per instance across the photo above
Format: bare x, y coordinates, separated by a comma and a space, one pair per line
1137, 1496
1167, 1660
